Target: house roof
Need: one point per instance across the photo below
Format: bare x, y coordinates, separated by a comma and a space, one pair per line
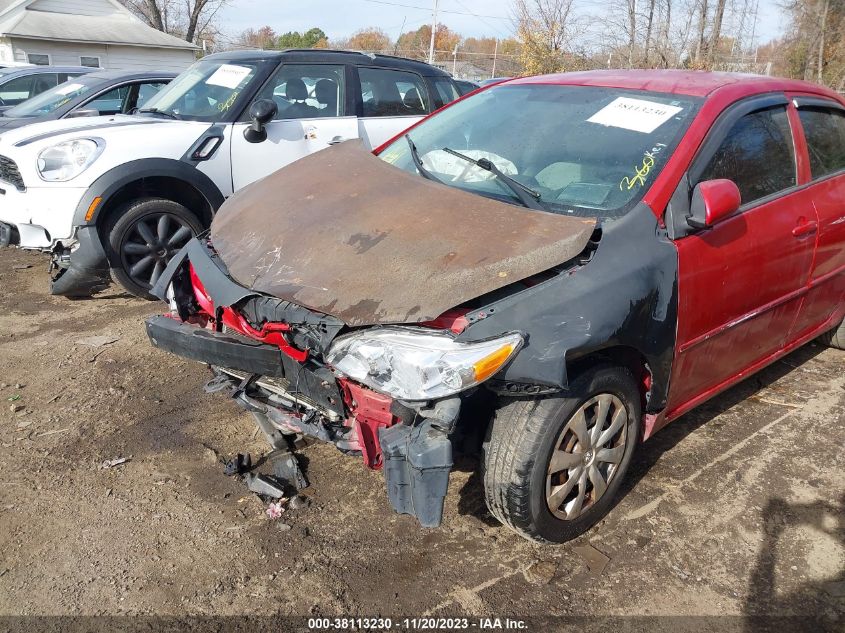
117, 28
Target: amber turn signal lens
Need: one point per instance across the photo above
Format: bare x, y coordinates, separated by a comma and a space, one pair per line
92, 208
491, 363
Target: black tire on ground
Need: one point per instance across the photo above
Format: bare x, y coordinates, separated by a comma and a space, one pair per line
142, 236
835, 337
524, 434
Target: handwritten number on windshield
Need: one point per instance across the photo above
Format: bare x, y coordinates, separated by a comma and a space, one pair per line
642, 171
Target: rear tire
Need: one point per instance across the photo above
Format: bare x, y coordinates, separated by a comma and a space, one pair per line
142, 236
835, 337
557, 501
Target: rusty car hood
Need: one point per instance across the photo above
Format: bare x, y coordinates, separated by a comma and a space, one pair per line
345, 233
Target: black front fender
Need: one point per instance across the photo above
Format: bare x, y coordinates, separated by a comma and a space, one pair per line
116, 179
625, 296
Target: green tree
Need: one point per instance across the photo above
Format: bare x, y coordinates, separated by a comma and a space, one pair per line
312, 38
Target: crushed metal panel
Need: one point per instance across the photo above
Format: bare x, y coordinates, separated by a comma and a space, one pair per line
349, 235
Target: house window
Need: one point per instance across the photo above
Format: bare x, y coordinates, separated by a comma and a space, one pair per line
39, 59
90, 62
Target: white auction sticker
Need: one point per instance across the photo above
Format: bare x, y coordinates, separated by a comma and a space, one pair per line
228, 76
634, 114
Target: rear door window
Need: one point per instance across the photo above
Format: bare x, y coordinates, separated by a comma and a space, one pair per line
392, 93
824, 130
757, 154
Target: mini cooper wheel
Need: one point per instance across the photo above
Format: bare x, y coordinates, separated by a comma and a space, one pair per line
143, 236
553, 466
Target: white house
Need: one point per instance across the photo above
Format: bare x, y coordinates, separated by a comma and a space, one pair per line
99, 33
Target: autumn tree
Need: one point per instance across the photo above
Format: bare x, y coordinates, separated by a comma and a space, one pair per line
264, 38
369, 39
815, 43
545, 29
416, 43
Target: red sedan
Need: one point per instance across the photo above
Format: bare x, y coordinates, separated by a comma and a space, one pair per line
587, 255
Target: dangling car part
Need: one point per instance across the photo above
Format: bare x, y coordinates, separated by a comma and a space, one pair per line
566, 252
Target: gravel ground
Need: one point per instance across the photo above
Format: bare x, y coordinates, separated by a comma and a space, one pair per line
736, 509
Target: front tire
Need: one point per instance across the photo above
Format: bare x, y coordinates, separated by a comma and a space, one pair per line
143, 236
552, 466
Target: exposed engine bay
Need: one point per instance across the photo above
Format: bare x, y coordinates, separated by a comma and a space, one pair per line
275, 369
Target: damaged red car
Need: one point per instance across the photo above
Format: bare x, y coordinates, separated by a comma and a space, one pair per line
559, 264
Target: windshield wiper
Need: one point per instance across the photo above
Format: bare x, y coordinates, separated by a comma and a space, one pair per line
418, 162
169, 115
526, 195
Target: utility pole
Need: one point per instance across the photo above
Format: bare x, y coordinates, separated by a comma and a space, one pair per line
495, 54
433, 32
454, 60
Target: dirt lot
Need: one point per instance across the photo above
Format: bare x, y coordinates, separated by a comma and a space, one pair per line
737, 508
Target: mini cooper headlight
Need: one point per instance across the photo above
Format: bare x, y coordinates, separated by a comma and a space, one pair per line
68, 159
417, 364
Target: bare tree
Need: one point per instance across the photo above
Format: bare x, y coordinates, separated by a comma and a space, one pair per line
702, 26
632, 30
716, 32
188, 19
649, 23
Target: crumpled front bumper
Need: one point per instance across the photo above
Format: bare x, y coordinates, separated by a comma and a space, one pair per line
87, 270
414, 443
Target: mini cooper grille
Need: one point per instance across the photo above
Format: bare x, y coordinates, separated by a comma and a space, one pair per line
10, 173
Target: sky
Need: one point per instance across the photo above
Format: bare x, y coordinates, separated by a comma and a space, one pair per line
341, 18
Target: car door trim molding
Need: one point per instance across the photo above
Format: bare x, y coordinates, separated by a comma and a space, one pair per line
817, 102
701, 338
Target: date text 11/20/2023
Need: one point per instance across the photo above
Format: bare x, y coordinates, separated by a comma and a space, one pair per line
417, 624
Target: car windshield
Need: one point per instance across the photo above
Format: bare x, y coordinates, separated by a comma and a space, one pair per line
573, 150
52, 99
204, 92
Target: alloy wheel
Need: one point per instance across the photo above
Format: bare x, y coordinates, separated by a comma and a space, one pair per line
586, 456
150, 243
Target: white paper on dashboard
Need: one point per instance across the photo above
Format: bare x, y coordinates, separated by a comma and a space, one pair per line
68, 88
228, 76
638, 115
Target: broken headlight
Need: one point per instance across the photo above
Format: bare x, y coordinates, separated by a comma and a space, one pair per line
417, 364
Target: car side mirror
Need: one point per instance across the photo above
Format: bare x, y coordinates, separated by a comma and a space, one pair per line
261, 112
81, 113
712, 201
